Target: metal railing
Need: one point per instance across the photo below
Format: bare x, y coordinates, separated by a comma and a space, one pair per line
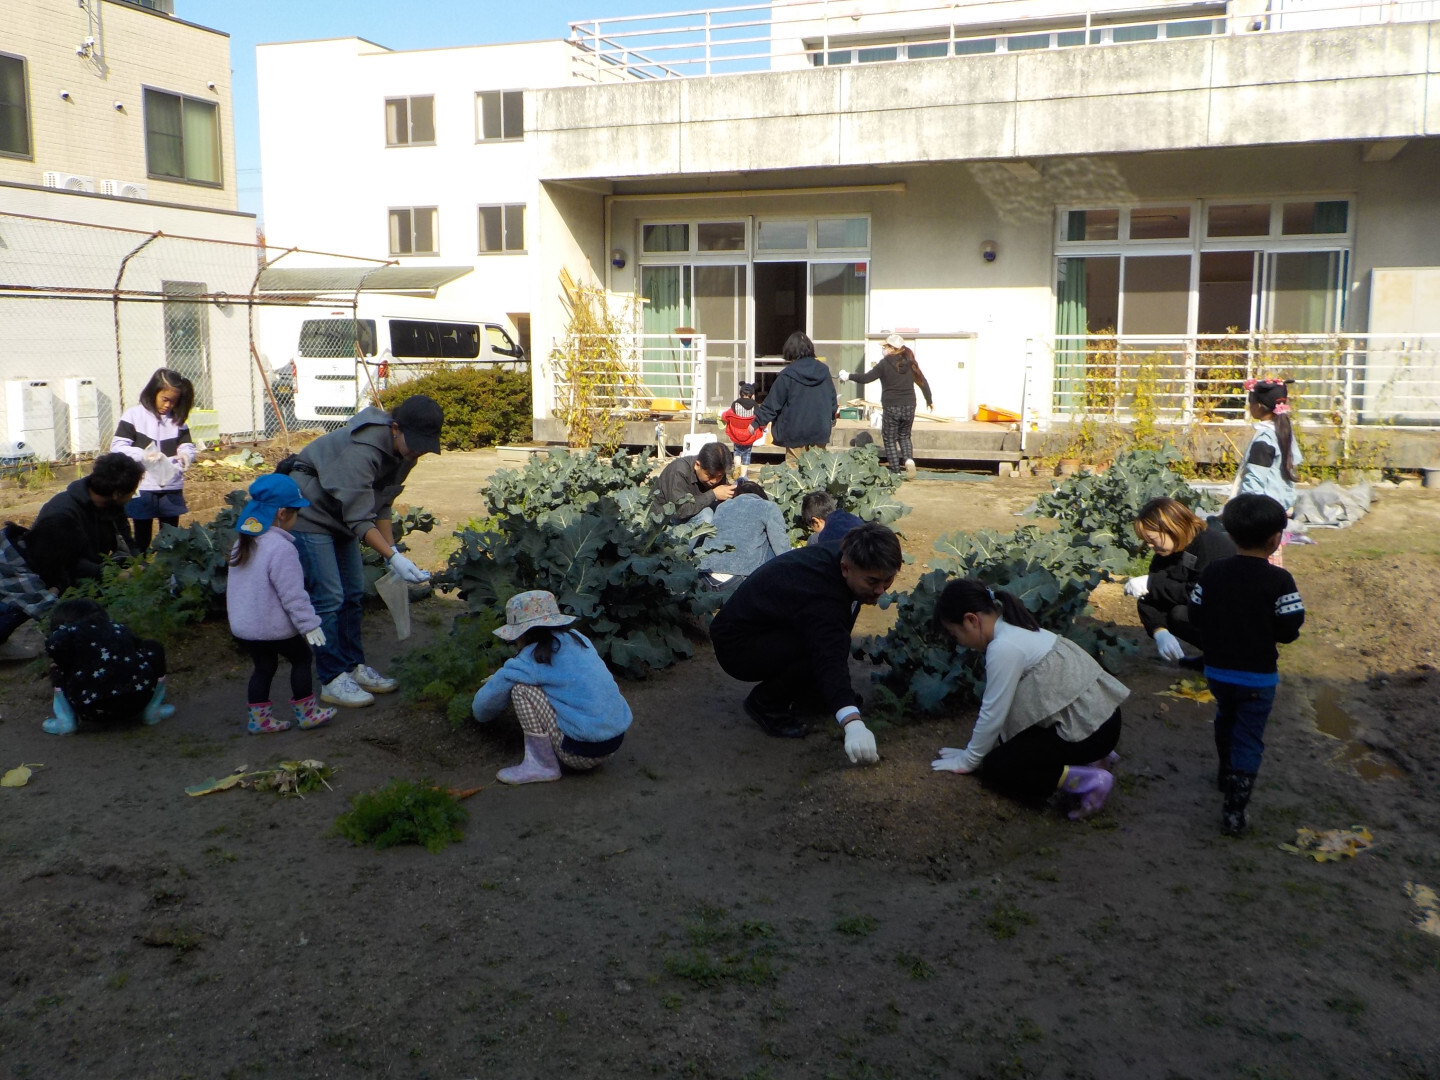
1344, 380
791, 34
633, 376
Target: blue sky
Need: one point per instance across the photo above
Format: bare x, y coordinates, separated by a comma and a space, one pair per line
419, 24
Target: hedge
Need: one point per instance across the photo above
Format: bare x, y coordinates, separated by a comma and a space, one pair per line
482, 407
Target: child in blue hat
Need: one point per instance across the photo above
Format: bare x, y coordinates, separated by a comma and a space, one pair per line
270, 612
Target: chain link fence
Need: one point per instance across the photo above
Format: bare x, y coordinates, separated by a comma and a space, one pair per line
88, 313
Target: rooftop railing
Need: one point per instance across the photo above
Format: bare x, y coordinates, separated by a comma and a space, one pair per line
795, 34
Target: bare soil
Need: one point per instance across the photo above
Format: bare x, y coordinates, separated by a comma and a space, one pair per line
715, 903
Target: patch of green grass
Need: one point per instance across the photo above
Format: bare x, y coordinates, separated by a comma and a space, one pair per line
180, 938
914, 966
1349, 1005
651, 773
403, 812
672, 1001
221, 855
722, 950
857, 925
1005, 920
118, 980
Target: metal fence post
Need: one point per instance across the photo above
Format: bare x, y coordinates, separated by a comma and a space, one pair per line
119, 351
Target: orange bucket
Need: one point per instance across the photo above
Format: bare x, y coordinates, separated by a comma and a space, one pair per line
989, 415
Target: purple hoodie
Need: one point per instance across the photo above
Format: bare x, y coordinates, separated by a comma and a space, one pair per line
266, 596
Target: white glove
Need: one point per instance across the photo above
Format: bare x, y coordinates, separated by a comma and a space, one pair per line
844, 375
180, 463
316, 637
951, 759
159, 467
1169, 645
860, 743
1138, 586
406, 570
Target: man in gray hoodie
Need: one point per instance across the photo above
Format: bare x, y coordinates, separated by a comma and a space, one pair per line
800, 407
351, 477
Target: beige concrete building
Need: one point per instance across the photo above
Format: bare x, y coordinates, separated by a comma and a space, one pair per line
116, 126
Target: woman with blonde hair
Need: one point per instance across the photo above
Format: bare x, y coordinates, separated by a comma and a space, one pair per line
1184, 544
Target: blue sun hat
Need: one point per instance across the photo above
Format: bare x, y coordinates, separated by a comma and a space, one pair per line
269, 493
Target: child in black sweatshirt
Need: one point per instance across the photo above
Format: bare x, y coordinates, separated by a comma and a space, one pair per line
1243, 607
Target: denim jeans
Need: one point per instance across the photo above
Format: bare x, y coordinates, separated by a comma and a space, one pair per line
335, 580
1240, 715
11, 619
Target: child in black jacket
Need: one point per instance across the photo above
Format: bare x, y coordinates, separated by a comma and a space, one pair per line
101, 671
1243, 607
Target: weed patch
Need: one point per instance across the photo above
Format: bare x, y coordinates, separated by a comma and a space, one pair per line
403, 812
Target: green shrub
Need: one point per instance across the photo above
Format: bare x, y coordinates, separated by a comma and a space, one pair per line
144, 600
1102, 506
1051, 573
449, 670
403, 812
483, 407
855, 477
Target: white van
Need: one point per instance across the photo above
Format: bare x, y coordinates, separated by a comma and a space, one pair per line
330, 378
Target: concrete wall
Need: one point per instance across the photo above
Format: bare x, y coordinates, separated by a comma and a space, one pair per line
85, 134
330, 179
572, 234
1267, 89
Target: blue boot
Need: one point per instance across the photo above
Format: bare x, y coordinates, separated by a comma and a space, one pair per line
63, 722
157, 710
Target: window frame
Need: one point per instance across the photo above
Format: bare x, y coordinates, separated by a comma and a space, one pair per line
25, 111
505, 248
145, 92
392, 210
410, 122
480, 136
693, 251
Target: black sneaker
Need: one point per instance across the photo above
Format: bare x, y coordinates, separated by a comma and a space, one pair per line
781, 725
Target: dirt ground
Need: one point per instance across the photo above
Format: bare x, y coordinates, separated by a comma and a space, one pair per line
714, 903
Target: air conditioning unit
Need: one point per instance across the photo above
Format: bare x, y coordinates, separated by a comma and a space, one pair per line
82, 397
30, 409
122, 189
67, 182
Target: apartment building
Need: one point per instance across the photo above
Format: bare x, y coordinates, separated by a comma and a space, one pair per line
117, 179
1047, 197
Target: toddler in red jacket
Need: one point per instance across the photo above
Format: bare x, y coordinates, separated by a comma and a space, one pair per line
737, 419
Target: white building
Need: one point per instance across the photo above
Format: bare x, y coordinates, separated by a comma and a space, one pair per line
1030, 189
115, 126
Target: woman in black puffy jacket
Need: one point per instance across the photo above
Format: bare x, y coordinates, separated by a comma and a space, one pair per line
1184, 544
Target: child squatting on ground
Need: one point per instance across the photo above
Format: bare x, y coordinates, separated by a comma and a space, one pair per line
270, 612
1050, 717
1243, 606
737, 419
570, 709
101, 671
154, 434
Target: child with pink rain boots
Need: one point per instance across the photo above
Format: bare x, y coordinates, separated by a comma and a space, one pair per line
1050, 717
270, 612
569, 707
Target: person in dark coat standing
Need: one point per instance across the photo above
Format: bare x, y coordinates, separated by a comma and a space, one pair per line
800, 408
72, 535
899, 375
1184, 544
788, 625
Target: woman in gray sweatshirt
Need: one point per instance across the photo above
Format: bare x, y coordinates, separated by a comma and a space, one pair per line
749, 532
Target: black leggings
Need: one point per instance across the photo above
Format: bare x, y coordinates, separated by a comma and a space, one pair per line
144, 529
1028, 767
266, 655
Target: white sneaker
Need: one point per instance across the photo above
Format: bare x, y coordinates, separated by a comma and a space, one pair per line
370, 679
343, 690
910, 467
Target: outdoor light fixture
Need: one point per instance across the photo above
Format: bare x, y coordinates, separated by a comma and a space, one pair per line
209, 86
617, 259
119, 106
989, 250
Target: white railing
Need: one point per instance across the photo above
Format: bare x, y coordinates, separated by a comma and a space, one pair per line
1345, 380
790, 34
635, 376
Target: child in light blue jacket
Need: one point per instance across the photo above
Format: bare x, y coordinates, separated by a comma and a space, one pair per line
1271, 462
570, 709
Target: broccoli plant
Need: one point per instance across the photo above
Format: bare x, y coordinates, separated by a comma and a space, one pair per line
855, 477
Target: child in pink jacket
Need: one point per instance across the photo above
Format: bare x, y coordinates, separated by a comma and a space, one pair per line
270, 613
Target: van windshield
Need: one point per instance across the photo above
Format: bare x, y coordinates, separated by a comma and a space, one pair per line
336, 337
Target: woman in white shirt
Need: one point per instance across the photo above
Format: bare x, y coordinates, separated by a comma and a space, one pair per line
1050, 716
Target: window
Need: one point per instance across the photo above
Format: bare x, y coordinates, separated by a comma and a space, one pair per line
410, 121
842, 233
1306, 218
336, 338
783, 236
421, 339
182, 138
721, 235
500, 114
502, 228
1160, 223
1242, 219
658, 238
415, 230
14, 108
925, 50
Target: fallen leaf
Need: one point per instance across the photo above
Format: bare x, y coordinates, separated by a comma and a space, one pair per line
212, 785
1194, 688
1331, 845
1427, 907
20, 775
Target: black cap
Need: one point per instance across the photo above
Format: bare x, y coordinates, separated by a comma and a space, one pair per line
420, 419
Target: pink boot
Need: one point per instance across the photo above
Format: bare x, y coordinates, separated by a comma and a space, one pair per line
309, 714
262, 720
1091, 784
1107, 762
538, 767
